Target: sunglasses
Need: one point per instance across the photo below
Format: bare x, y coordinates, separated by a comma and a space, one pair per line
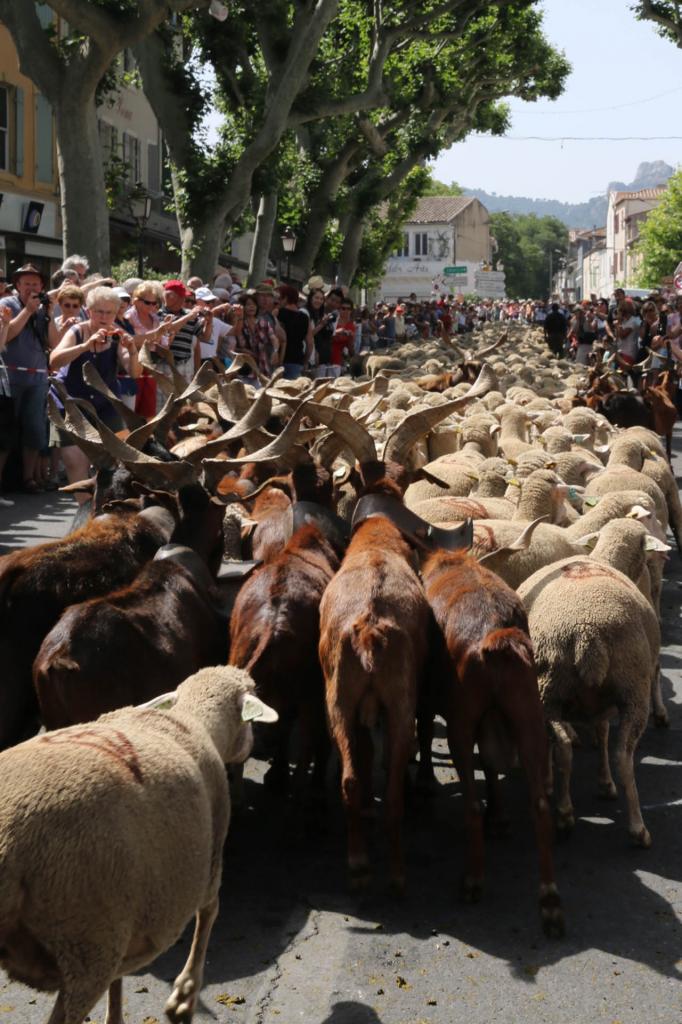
150, 302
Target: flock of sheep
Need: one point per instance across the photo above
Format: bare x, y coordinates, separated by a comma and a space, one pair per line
456, 534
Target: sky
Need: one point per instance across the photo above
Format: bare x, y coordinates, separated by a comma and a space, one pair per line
621, 68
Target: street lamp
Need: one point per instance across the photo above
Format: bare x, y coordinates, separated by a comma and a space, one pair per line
140, 203
289, 246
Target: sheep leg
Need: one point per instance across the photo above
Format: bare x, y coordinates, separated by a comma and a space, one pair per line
632, 725
115, 1003
606, 785
183, 999
57, 1015
564, 757
399, 747
80, 991
660, 713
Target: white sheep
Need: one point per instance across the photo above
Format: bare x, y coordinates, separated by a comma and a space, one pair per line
597, 642
111, 838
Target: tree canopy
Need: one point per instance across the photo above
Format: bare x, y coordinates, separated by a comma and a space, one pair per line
660, 241
525, 244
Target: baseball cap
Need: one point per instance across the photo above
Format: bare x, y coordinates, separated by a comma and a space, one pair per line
122, 293
205, 294
175, 286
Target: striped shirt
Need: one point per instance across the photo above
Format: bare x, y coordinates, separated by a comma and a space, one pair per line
182, 345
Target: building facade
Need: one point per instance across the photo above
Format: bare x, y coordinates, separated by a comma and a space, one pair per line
627, 211
447, 248
30, 223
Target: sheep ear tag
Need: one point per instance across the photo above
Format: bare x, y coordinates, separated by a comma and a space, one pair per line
591, 502
254, 709
164, 702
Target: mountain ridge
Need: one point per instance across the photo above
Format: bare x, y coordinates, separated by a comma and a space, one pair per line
591, 213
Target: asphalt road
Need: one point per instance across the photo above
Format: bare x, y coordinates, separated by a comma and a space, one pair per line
291, 945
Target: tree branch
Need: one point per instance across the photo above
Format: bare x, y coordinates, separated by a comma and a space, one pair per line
38, 59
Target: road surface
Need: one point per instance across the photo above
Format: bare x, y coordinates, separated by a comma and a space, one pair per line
291, 946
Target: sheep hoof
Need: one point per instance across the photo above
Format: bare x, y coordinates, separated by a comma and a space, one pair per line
661, 721
471, 889
642, 837
177, 1011
607, 791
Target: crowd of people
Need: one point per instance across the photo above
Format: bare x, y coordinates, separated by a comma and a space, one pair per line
134, 330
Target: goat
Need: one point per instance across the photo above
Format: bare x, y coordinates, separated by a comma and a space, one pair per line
485, 686
37, 584
141, 639
374, 623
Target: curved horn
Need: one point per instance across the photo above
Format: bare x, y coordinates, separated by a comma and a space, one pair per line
282, 449
353, 434
417, 424
491, 348
255, 418
145, 466
94, 450
92, 377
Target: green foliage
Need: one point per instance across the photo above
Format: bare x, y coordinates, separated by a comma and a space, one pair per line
439, 188
525, 243
127, 268
666, 16
660, 241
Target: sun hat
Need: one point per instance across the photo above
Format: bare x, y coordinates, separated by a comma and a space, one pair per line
28, 268
205, 294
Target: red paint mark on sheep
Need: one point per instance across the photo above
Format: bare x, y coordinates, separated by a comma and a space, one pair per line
580, 571
485, 537
469, 508
114, 744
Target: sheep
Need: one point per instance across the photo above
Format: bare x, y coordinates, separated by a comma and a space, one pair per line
548, 544
97, 876
597, 641
542, 493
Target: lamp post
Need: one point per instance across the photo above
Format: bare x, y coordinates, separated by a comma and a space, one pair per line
289, 246
140, 203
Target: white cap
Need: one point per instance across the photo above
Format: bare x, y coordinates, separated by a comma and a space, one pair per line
205, 294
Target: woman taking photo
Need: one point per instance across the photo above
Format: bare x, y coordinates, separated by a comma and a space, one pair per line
100, 342
256, 337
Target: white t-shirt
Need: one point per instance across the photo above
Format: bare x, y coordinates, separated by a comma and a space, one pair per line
218, 331
628, 346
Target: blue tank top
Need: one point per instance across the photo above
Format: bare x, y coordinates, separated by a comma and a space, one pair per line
106, 364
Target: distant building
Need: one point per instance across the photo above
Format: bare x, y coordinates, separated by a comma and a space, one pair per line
626, 213
447, 248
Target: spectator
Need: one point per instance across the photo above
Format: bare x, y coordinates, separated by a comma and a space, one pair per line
97, 341
79, 264
323, 330
221, 341
298, 331
257, 336
626, 330
30, 336
344, 337
70, 300
556, 329
188, 329
6, 403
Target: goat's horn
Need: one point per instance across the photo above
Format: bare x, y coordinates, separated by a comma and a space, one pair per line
92, 377
94, 450
145, 466
283, 447
353, 434
241, 360
417, 424
491, 348
256, 417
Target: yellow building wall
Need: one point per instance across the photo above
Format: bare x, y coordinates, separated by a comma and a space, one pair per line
26, 183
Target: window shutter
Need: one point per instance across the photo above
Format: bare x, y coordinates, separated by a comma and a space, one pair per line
19, 132
153, 176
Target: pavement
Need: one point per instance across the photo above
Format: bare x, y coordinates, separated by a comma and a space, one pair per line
291, 945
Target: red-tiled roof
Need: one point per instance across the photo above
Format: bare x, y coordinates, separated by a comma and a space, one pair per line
439, 209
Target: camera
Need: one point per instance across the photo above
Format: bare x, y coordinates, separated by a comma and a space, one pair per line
114, 336
44, 298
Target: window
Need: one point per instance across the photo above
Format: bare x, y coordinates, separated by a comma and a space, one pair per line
421, 243
621, 260
44, 140
45, 15
153, 175
131, 156
4, 128
615, 224
108, 137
